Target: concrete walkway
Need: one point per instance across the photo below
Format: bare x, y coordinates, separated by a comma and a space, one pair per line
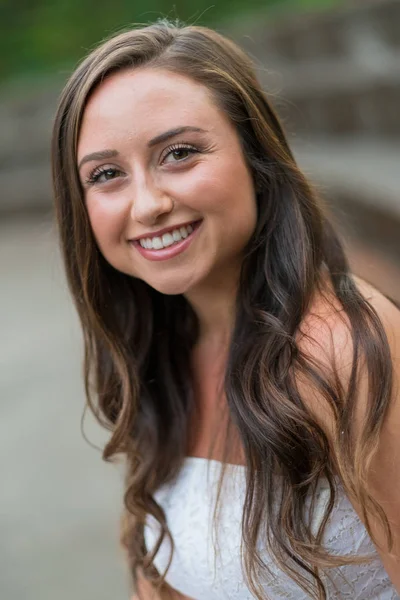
59, 503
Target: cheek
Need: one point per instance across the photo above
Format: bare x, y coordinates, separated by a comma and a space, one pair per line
106, 222
221, 186
108, 226
239, 206
231, 196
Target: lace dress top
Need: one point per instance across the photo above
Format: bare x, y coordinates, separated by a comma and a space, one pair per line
206, 566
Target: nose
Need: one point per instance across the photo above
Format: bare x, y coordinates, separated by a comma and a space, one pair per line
150, 203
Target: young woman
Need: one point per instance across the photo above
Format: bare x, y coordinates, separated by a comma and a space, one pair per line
249, 379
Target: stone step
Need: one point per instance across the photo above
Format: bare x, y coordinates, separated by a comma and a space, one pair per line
363, 170
345, 31
26, 189
25, 122
330, 76
359, 182
352, 89
336, 101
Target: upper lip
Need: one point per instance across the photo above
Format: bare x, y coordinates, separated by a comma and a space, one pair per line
160, 232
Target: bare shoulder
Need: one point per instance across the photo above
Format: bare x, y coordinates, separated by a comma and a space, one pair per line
386, 310
326, 338
325, 332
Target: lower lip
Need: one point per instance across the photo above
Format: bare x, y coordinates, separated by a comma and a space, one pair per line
170, 251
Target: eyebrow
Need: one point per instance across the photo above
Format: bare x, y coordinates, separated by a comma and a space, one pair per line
101, 155
163, 137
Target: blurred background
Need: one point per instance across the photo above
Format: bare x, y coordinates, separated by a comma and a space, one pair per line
332, 70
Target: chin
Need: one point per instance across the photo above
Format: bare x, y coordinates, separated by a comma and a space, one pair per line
172, 286
169, 289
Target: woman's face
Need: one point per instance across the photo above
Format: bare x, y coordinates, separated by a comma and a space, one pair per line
169, 195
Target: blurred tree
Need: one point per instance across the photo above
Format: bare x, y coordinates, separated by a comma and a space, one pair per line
39, 36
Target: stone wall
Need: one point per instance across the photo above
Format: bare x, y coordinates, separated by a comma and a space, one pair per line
26, 114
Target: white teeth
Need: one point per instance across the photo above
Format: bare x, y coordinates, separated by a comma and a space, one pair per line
157, 243
168, 239
176, 235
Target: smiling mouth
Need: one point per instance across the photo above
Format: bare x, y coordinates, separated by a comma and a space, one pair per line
170, 238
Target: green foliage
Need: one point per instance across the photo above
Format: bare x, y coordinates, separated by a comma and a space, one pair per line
47, 35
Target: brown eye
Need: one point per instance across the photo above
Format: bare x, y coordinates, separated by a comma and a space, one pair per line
109, 173
178, 153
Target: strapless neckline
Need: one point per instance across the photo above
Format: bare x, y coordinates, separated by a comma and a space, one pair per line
202, 460
200, 568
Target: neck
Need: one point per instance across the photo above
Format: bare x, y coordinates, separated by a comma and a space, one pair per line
215, 306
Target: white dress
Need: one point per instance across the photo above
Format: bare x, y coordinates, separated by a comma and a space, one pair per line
200, 572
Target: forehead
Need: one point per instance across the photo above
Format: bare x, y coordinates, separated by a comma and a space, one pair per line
147, 101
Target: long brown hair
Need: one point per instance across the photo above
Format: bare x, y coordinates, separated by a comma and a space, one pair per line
138, 341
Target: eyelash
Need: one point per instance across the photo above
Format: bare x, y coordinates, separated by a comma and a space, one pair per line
98, 171
96, 174
179, 146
